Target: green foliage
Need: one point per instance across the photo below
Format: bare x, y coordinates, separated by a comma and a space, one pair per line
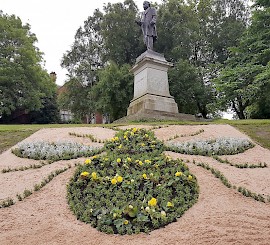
23, 168
135, 141
114, 90
244, 82
121, 35
49, 113
24, 84
127, 191
188, 89
245, 165
197, 44
193, 34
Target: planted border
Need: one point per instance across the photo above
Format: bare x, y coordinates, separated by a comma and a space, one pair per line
244, 165
9, 202
244, 191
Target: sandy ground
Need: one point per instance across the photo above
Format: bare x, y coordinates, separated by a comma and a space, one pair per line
221, 215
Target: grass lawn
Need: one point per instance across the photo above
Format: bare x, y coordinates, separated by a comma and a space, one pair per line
12, 134
258, 130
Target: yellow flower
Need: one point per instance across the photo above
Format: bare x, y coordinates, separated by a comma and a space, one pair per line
87, 161
134, 130
142, 144
129, 159
144, 176
113, 181
146, 135
94, 157
147, 161
126, 222
119, 179
152, 202
118, 160
170, 205
140, 163
125, 137
116, 138
84, 174
189, 177
94, 175
178, 174
120, 146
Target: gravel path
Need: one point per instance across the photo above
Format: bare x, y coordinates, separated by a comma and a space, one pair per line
221, 215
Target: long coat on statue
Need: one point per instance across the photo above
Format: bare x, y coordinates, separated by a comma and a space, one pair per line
149, 18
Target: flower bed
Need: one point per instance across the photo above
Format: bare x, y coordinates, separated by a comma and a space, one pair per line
54, 151
133, 188
219, 146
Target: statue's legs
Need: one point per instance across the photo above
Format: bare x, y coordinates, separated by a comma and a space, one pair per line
148, 41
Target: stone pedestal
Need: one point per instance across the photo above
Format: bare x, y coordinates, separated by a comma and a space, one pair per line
151, 87
152, 99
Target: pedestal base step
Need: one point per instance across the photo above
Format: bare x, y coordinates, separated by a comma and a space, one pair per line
151, 115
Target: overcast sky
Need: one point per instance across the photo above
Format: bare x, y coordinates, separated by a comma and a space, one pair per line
55, 23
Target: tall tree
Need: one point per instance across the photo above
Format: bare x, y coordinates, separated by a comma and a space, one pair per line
23, 81
245, 80
197, 34
82, 62
121, 35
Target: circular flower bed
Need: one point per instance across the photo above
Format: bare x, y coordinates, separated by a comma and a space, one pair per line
133, 188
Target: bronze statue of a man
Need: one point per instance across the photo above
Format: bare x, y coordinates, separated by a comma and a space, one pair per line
148, 25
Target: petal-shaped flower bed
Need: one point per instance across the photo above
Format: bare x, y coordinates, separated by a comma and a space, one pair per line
54, 151
219, 146
129, 190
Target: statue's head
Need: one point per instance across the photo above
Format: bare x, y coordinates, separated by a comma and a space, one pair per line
146, 5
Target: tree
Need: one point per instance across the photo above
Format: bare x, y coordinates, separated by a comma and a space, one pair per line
244, 82
200, 35
114, 90
112, 35
23, 81
191, 95
77, 98
49, 113
121, 35
82, 62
